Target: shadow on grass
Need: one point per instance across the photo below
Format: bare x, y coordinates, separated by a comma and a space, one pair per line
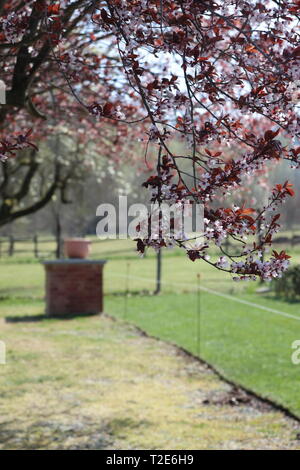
48, 433
131, 293
25, 318
43, 317
5, 295
291, 300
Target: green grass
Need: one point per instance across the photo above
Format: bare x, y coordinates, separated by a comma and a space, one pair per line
94, 383
248, 345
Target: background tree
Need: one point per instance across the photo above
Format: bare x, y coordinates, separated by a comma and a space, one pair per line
64, 161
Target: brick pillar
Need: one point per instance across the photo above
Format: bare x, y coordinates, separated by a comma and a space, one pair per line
74, 287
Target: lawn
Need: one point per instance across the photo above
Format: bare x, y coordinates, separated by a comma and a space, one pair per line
95, 383
247, 344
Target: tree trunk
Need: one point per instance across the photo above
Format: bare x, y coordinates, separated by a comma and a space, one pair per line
58, 235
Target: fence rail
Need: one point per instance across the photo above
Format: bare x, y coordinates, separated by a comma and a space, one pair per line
10, 245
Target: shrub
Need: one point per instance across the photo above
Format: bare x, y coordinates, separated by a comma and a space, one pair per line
288, 286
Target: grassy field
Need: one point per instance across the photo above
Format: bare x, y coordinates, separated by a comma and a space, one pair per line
246, 342
95, 383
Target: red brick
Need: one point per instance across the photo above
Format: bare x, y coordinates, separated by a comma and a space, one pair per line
73, 288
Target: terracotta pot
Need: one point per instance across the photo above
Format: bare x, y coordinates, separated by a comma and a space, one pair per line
77, 247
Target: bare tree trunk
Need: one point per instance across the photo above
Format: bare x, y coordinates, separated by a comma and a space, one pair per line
58, 235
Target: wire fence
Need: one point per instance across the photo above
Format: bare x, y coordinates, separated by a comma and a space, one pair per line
41, 246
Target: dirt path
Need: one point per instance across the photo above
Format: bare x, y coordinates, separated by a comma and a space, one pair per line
95, 383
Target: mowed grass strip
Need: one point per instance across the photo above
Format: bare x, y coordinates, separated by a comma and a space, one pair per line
95, 383
247, 345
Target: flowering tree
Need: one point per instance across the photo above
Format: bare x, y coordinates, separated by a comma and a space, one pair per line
67, 155
42, 105
199, 70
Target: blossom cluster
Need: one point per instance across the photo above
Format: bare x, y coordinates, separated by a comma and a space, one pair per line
9, 147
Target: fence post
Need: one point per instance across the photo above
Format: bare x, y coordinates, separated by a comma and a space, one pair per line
158, 272
36, 248
259, 240
11, 245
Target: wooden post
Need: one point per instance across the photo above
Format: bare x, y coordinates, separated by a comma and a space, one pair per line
198, 315
126, 291
36, 248
11, 245
158, 273
259, 241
